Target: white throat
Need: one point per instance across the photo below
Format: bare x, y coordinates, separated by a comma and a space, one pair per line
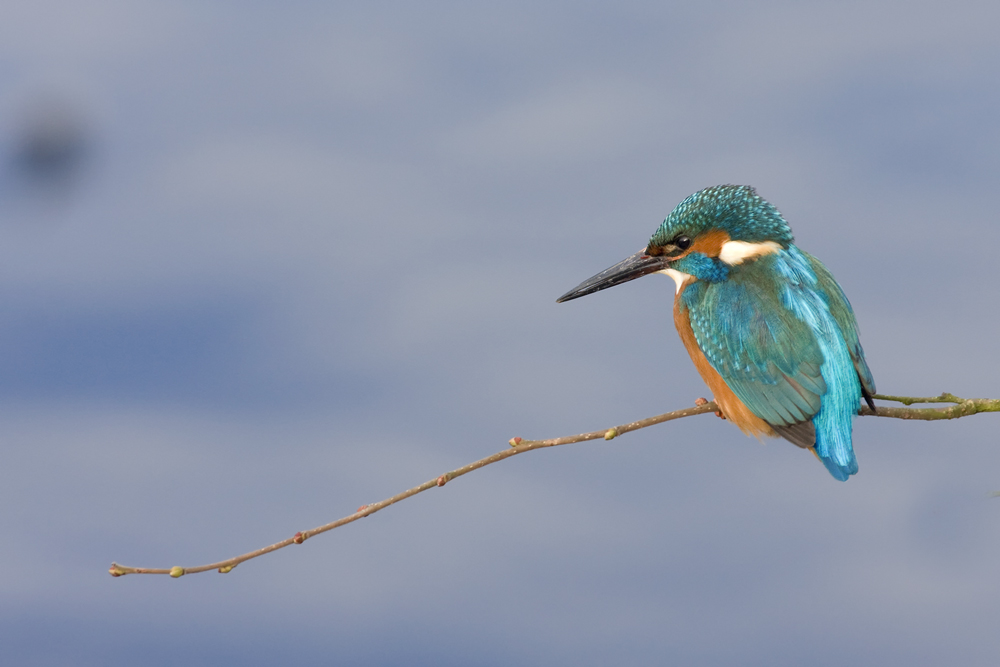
679, 277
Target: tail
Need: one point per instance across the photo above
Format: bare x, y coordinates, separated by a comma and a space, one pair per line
841, 463
833, 441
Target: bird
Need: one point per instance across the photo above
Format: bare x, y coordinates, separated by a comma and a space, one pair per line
767, 326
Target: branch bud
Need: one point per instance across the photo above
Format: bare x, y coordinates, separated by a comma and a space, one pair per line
611, 434
514, 442
176, 572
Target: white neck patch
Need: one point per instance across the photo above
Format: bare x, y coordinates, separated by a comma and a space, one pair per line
679, 277
737, 252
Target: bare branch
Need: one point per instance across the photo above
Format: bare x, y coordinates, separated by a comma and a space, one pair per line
961, 407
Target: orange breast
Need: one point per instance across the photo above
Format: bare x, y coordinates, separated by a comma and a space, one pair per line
732, 407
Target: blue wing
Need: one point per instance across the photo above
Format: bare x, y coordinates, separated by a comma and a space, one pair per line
843, 314
785, 342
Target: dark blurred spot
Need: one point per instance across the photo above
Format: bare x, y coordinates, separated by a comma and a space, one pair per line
49, 150
52, 145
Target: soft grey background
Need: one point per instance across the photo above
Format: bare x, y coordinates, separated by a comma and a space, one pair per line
293, 258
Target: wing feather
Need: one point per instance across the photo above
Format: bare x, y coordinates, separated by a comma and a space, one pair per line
843, 314
782, 336
769, 359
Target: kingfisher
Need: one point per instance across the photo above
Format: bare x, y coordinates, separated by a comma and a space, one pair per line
768, 327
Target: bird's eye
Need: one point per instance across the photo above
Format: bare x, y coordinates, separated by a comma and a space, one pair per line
682, 242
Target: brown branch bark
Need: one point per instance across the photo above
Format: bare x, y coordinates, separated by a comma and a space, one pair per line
961, 407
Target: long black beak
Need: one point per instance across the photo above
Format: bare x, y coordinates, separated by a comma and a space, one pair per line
638, 265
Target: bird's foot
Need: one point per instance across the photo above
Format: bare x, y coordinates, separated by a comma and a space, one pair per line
703, 401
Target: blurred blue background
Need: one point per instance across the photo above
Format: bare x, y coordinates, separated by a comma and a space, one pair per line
261, 264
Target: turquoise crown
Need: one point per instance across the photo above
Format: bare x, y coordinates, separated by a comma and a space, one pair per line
735, 209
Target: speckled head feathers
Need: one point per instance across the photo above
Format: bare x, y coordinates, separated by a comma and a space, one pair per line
735, 209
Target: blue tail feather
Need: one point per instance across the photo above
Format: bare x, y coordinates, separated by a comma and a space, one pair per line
841, 462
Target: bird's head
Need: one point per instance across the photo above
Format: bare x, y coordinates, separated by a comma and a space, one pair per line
702, 238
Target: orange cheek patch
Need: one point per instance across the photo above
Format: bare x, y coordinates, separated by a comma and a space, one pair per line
710, 243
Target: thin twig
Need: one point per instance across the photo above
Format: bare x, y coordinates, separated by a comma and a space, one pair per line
961, 407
